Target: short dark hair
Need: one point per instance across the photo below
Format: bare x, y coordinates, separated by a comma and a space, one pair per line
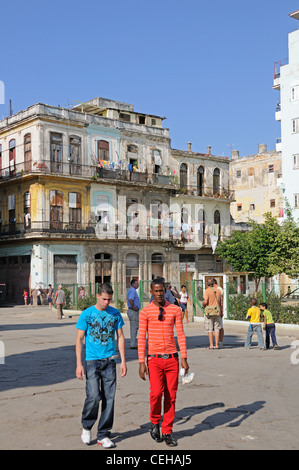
263, 304
105, 288
158, 281
183, 286
210, 282
133, 281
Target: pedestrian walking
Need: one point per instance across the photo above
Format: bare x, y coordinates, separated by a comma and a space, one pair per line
133, 303
156, 330
98, 325
254, 315
39, 297
60, 300
269, 326
221, 331
25, 295
184, 298
81, 293
50, 296
213, 310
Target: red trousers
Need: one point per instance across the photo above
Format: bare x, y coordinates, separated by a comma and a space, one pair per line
163, 377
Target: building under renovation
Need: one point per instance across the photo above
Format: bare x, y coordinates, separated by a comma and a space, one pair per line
96, 193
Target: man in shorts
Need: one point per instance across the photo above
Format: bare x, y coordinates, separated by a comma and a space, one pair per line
212, 324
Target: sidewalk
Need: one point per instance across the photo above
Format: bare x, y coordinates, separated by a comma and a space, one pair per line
239, 399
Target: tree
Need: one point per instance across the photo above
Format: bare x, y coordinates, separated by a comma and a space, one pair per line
250, 251
285, 257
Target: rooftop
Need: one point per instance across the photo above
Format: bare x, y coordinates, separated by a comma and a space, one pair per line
295, 15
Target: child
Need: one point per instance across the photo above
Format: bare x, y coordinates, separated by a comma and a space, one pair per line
269, 326
254, 314
25, 295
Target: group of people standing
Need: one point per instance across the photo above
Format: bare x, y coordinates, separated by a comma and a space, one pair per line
59, 298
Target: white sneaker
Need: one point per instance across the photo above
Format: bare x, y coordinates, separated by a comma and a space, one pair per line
106, 443
86, 436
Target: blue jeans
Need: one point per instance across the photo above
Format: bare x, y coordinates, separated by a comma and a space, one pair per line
100, 386
254, 328
270, 331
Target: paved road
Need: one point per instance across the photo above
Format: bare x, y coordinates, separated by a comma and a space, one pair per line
239, 399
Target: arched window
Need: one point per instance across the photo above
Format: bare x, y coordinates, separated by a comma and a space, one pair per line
200, 180
183, 175
103, 267
216, 182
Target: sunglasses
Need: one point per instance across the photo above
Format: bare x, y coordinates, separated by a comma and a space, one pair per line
160, 316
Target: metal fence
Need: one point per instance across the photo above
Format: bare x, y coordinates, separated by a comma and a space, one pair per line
234, 296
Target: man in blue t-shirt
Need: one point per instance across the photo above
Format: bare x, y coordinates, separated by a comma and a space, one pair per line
98, 325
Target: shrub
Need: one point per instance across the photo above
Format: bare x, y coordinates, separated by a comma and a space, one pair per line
240, 303
87, 301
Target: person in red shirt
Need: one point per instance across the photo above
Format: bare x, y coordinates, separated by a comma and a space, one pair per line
156, 323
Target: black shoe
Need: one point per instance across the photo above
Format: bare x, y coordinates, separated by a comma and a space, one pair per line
169, 440
155, 432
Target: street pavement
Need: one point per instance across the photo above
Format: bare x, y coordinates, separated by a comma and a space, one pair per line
240, 399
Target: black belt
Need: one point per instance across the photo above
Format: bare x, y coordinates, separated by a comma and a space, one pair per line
164, 356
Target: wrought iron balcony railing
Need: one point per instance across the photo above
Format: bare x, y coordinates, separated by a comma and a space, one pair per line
17, 170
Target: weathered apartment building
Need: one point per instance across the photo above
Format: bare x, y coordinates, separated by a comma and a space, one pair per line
256, 181
96, 193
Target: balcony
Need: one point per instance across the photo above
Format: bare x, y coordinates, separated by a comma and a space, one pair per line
156, 230
277, 66
278, 145
94, 173
181, 235
206, 192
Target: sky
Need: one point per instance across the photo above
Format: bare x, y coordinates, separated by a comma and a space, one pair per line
206, 66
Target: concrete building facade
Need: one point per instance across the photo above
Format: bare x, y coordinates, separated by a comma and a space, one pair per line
96, 193
286, 80
256, 182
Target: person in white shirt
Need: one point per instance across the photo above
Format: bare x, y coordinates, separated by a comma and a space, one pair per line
183, 302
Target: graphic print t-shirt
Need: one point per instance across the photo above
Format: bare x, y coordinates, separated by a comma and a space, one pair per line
99, 327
